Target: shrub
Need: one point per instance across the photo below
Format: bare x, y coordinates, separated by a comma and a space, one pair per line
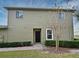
15, 44
27, 43
76, 38
50, 43
68, 44
71, 44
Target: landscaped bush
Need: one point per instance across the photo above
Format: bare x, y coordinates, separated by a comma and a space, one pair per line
27, 44
68, 44
50, 43
15, 44
76, 38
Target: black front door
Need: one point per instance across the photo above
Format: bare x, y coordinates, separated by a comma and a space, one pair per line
37, 36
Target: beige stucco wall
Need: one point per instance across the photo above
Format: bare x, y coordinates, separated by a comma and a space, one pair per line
21, 29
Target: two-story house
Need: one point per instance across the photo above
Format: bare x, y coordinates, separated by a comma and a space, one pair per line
38, 24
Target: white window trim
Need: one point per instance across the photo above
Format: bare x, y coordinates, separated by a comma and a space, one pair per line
19, 12
52, 34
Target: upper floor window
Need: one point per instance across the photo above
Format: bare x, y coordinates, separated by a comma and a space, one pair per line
19, 14
61, 15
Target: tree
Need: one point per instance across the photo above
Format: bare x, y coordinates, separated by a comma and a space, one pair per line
77, 14
56, 27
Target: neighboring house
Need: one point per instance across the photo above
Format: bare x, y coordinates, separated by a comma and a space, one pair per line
3, 31
39, 24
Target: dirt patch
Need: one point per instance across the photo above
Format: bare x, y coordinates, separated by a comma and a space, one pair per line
59, 51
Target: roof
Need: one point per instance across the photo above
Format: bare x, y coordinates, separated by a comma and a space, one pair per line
35, 8
3, 26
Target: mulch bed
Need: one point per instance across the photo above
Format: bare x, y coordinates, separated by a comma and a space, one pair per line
59, 51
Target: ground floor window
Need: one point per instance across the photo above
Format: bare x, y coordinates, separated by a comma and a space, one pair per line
49, 34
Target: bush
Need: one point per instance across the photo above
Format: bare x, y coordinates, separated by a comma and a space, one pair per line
15, 44
76, 38
70, 44
67, 44
50, 43
27, 43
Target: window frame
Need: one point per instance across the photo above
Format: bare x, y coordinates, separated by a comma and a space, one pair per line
19, 14
61, 15
50, 34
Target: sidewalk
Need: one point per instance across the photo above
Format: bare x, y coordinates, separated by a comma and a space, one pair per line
34, 47
74, 51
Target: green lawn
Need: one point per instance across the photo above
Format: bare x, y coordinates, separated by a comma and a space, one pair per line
34, 54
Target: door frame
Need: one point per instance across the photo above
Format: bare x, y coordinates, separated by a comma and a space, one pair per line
36, 29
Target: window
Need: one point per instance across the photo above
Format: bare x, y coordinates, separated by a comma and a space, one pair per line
49, 34
19, 14
61, 15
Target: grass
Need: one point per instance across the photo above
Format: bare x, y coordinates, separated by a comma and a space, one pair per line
35, 54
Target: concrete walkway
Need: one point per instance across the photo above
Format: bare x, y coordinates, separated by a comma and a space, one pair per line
34, 47
74, 51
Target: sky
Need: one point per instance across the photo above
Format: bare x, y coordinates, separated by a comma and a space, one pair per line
37, 3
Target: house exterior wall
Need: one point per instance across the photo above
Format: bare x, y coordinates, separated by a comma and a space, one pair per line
21, 29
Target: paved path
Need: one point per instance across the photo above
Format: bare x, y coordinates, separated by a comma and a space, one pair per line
34, 47
74, 51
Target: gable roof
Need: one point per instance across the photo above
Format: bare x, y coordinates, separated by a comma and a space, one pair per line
43, 9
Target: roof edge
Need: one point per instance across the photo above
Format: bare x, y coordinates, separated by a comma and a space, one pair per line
37, 8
